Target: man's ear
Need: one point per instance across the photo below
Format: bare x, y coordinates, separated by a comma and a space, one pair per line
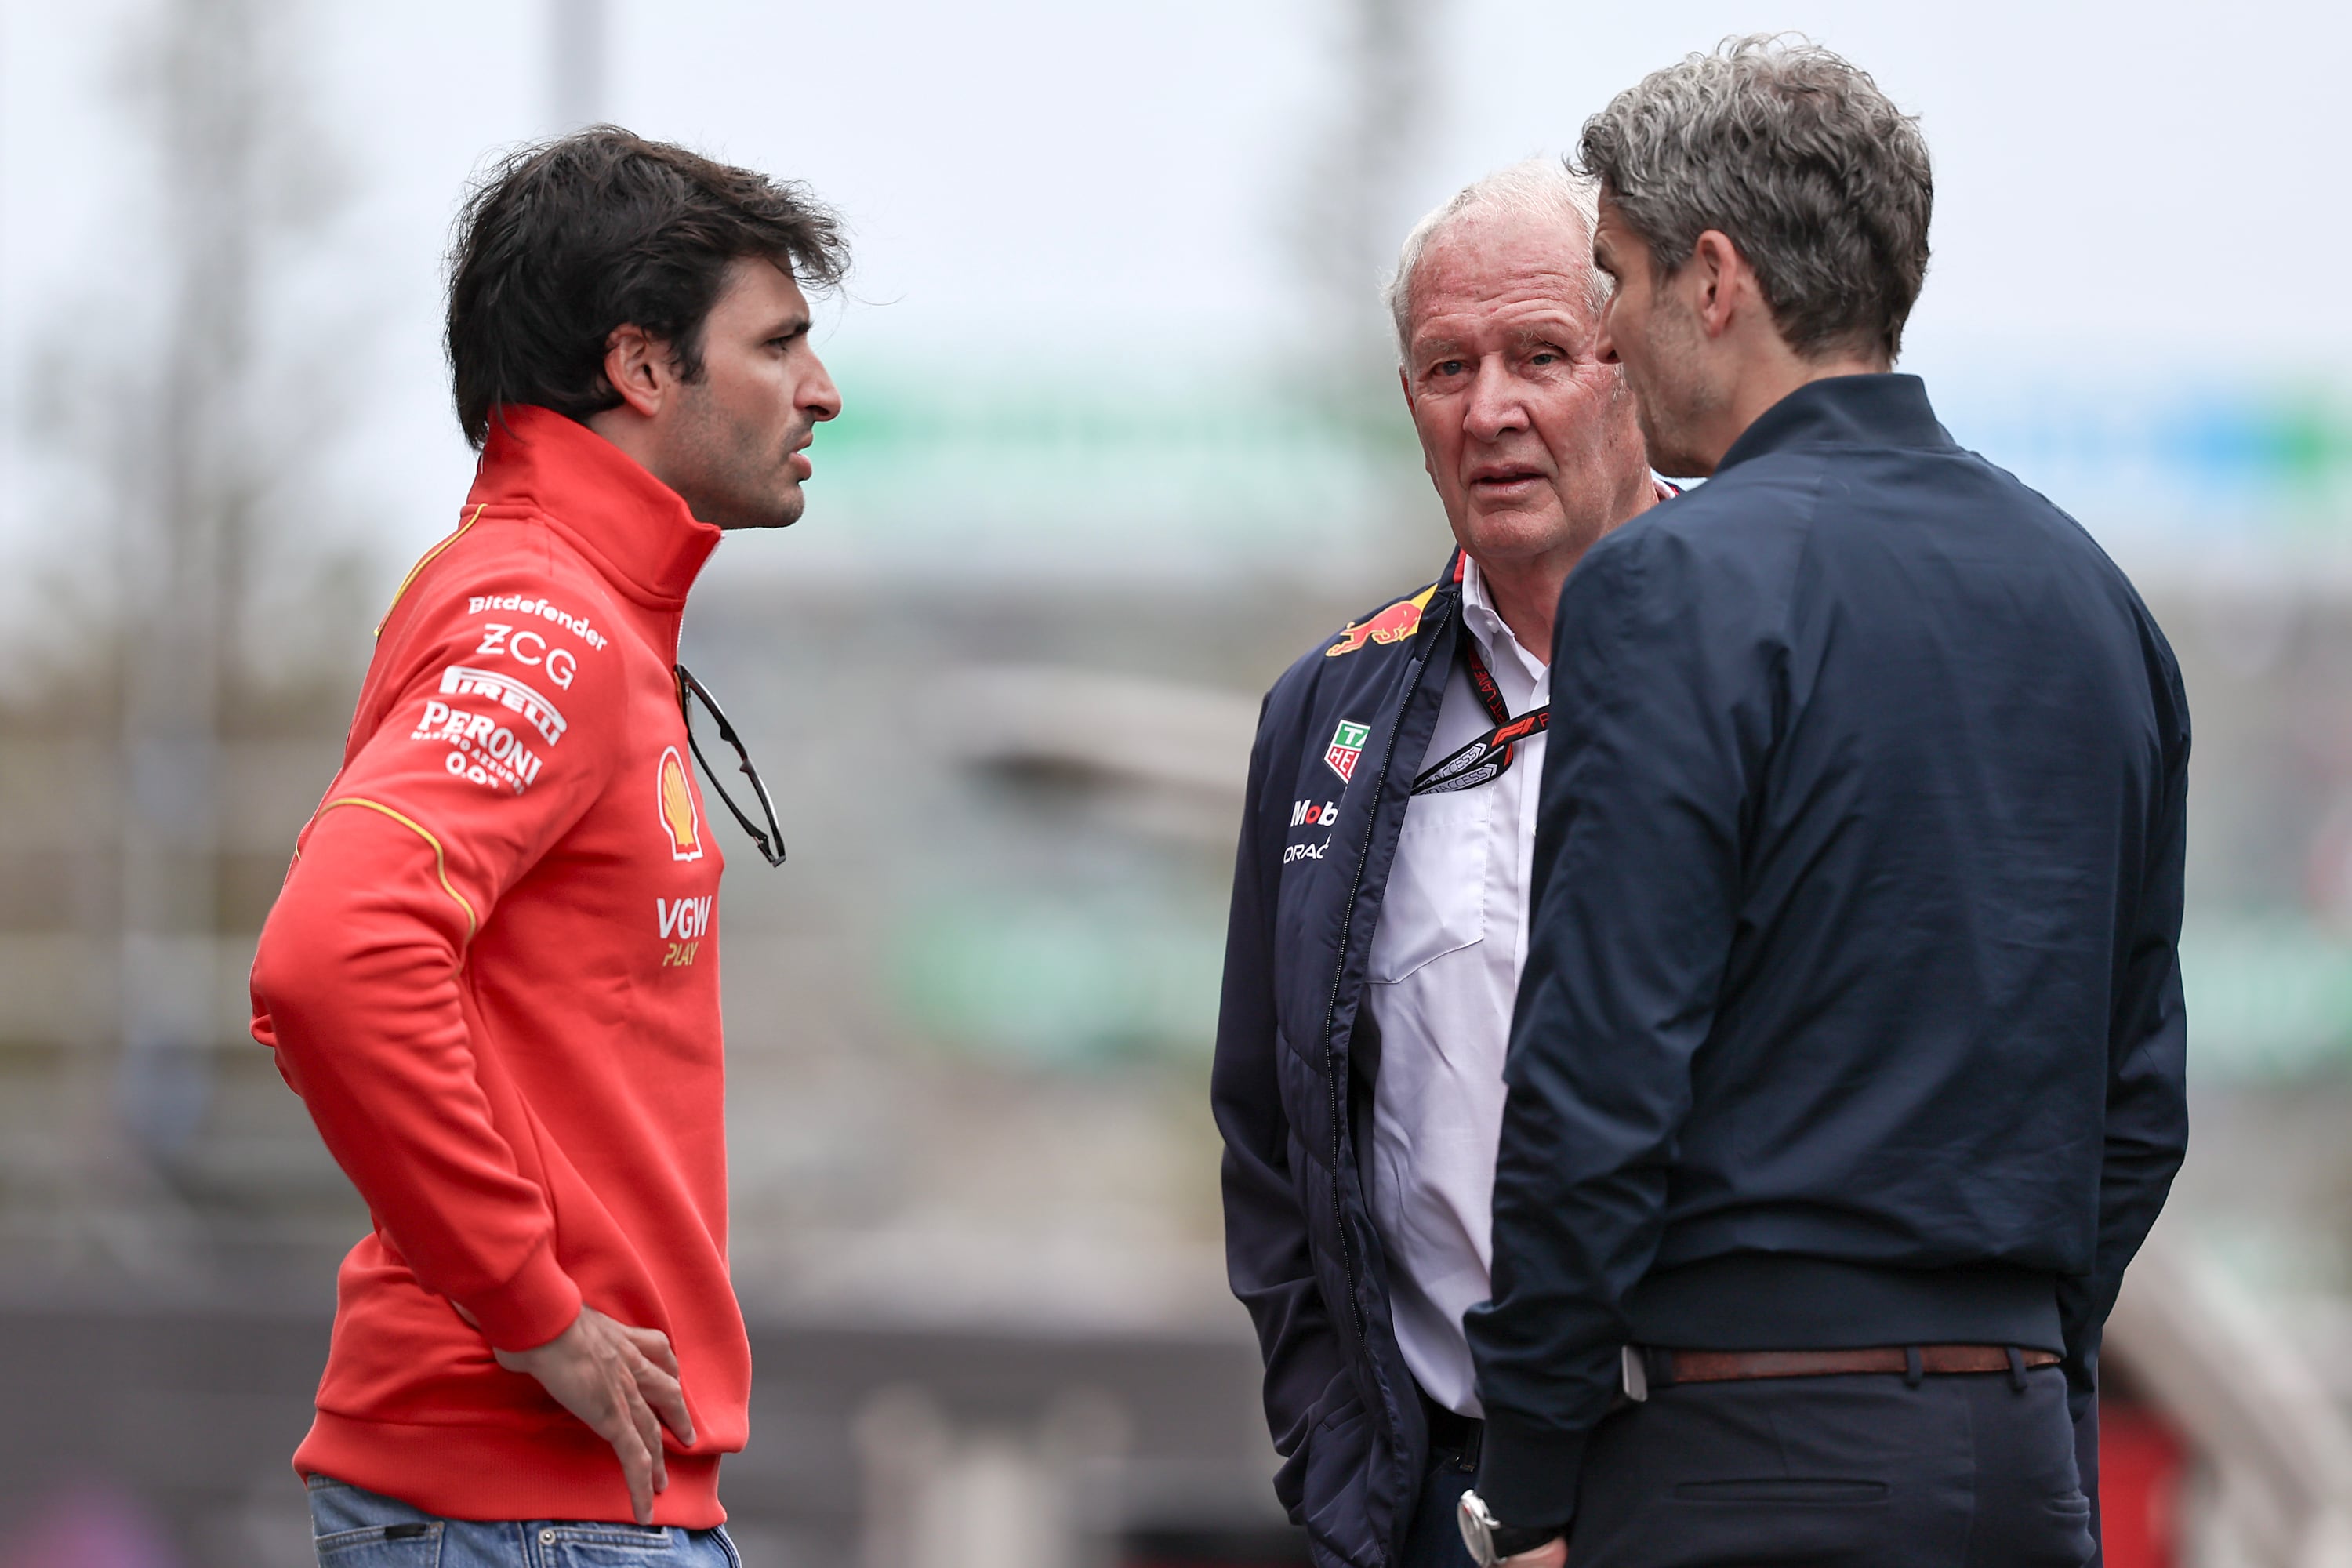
638, 366
1718, 277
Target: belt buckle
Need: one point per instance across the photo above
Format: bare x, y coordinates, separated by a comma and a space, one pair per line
1633, 1375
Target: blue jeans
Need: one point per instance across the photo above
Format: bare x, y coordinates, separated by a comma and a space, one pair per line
355, 1528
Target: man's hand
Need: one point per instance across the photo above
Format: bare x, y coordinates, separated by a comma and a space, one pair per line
1552, 1554
618, 1380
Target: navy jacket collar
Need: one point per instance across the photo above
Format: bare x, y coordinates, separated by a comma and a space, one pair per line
1844, 411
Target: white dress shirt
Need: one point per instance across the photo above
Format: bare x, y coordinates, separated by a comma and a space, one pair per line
1444, 969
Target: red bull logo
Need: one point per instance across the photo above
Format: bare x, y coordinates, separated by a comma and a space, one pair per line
1395, 624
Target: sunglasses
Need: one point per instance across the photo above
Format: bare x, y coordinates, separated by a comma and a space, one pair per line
691, 691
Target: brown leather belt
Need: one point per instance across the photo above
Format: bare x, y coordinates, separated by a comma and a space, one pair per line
1732, 1366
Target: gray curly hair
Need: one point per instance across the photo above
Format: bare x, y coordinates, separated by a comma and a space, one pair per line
1537, 188
1797, 156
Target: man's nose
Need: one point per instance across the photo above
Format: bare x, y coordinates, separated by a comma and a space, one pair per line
1496, 406
820, 397
1604, 341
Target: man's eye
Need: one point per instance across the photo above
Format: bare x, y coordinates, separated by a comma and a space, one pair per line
1446, 367
1544, 356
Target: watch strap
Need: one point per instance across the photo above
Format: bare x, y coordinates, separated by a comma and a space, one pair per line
1511, 1540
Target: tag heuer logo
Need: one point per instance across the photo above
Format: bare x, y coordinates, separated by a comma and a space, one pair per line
1346, 746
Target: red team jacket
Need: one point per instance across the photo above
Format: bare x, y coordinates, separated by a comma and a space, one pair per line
492, 975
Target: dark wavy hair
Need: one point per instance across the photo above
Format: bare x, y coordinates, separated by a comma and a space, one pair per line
564, 241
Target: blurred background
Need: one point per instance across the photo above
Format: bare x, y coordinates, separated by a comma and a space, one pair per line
1122, 438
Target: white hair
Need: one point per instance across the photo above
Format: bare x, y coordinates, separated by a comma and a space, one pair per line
1534, 188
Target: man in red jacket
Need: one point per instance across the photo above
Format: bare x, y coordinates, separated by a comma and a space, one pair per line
492, 975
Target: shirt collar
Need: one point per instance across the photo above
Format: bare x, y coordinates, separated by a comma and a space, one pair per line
1494, 633
1845, 411
1491, 630
597, 496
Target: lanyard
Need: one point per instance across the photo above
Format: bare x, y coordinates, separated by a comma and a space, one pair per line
1490, 757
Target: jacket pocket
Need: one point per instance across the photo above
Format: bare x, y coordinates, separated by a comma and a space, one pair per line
1436, 897
1332, 1406
1335, 1479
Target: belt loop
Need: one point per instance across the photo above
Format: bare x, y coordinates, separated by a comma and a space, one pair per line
1915, 1370
1659, 1365
2017, 1369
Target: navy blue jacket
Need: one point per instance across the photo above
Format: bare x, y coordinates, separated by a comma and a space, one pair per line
1852, 1014
1338, 741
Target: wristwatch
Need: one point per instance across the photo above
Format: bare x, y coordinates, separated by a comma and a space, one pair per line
1490, 1541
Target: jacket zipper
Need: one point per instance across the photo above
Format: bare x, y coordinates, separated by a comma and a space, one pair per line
1336, 1085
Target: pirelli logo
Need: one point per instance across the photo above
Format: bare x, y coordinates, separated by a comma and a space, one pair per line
461, 680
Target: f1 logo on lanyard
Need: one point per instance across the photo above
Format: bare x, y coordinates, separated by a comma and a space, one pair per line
1490, 757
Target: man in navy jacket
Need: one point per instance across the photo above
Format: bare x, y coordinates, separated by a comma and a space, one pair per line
1847, 1069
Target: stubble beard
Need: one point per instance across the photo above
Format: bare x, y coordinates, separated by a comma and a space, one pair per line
740, 474
1660, 444
1672, 400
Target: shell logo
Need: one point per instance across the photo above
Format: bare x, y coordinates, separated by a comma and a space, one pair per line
678, 817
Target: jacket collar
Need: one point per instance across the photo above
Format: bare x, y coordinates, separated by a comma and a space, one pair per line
1844, 411
596, 496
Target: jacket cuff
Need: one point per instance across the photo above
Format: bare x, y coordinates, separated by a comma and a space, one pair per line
1526, 1475
531, 1308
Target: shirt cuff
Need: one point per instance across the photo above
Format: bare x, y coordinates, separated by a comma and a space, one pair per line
1527, 1477
530, 1309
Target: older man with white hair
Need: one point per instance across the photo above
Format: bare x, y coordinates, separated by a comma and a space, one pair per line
1379, 913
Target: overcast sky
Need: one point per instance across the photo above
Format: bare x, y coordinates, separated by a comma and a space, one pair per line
2127, 195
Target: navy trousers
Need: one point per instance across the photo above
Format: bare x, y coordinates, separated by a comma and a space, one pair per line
1436, 1539
1975, 1470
